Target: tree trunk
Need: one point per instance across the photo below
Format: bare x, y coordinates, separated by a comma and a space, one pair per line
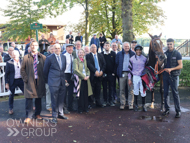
87, 23
127, 21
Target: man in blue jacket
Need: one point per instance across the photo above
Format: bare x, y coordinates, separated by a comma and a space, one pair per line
122, 63
95, 41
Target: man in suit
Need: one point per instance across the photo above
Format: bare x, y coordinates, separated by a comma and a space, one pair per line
68, 74
13, 77
27, 46
97, 65
8, 56
78, 47
34, 84
70, 37
43, 44
109, 75
54, 74
14, 46
102, 40
95, 41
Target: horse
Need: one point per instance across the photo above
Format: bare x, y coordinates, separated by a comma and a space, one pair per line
156, 59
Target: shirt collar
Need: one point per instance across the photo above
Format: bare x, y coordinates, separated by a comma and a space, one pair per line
107, 52
94, 54
57, 55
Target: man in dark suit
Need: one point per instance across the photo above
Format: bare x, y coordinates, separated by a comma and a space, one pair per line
70, 37
8, 56
95, 41
43, 44
27, 46
13, 78
54, 74
97, 65
102, 40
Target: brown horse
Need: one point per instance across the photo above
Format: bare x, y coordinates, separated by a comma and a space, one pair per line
156, 54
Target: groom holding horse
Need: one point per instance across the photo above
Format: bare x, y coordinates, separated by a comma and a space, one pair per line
172, 71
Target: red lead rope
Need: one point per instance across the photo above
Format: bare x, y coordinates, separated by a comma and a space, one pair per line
156, 69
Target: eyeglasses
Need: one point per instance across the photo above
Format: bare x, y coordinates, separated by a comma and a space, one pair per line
169, 44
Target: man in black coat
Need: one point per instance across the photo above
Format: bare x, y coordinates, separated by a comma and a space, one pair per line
109, 75
43, 44
97, 65
70, 37
102, 40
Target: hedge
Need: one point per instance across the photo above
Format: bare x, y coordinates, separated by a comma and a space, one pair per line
184, 78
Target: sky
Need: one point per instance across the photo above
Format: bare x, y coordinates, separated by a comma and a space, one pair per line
177, 23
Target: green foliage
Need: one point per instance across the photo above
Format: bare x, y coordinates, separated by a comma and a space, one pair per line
21, 13
185, 74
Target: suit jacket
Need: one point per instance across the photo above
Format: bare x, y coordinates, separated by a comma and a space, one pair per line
97, 42
41, 46
91, 64
53, 75
7, 58
70, 40
31, 90
10, 72
102, 39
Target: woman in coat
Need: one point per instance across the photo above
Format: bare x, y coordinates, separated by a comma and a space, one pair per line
81, 70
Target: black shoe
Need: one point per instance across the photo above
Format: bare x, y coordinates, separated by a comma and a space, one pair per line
99, 105
62, 117
54, 120
165, 113
66, 112
136, 108
136, 103
144, 108
178, 115
89, 107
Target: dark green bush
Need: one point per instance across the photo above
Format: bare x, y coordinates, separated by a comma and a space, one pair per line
184, 78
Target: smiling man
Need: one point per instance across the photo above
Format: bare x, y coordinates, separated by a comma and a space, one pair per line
173, 70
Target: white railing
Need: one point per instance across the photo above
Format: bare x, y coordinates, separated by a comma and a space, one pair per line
3, 92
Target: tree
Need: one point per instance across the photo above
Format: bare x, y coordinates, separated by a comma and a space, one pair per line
105, 17
22, 13
56, 7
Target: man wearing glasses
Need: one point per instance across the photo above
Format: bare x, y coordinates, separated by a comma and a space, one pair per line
173, 70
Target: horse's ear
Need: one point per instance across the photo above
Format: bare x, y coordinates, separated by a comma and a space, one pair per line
160, 35
151, 36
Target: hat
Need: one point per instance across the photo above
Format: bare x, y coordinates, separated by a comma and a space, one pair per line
69, 45
134, 41
138, 47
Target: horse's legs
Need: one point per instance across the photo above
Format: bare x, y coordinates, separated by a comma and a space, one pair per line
152, 99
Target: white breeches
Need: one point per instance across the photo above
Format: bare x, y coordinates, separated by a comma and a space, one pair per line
137, 83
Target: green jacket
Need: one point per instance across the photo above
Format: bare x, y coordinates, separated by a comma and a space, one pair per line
74, 54
78, 68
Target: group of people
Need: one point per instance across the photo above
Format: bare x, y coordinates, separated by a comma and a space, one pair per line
79, 73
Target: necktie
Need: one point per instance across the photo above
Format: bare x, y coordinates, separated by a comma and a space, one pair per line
44, 46
59, 61
96, 63
71, 63
35, 65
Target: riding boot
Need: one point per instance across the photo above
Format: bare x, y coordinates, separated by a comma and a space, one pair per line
136, 103
143, 104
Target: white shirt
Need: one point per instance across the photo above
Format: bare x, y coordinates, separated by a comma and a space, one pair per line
17, 69
107, 52
57, 58
68, 59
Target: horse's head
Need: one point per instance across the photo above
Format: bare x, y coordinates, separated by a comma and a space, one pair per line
156, 46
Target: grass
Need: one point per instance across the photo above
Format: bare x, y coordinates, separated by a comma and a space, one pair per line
6, 98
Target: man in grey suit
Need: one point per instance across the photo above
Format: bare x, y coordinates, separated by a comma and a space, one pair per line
54, 72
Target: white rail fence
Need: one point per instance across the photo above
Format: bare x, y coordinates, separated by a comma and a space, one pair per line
4, 92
